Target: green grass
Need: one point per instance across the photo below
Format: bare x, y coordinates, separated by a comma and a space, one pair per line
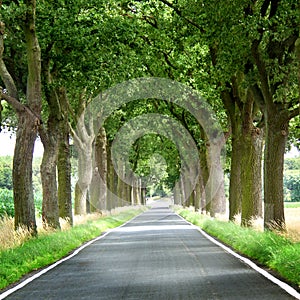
292, 204
50, 247
268, 248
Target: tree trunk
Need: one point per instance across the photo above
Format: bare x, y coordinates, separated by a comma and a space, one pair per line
50, 214
214, 189
98, 190
64, 164
22, 174
110, 181
84, 179
235, 191
276, 136
50, 137
27, 127
251, 176
177, 196
64, 176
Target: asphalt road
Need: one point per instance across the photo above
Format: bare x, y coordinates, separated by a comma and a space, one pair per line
157, 255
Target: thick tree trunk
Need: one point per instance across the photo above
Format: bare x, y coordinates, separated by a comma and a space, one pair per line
64, 164
214, 189
83, 139
50, 214
50, 137
251, 179
27, 127
22, 174
276, 136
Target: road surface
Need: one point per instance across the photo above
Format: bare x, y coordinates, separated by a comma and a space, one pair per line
157, 255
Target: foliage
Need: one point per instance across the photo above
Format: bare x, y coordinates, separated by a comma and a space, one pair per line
292, 163
267, 248
292, 186
42, 251
6, 173
6, 203
292, 204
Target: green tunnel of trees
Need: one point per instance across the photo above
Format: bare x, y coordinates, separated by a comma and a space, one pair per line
241, 56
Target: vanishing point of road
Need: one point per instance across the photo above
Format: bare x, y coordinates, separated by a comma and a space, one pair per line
157, 255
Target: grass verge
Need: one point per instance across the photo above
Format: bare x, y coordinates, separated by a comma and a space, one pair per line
268, 248
49, 247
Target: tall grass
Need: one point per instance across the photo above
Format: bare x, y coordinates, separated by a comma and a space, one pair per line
268, 248
20, 254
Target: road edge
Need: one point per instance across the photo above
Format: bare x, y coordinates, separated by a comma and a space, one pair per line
52, 266
286, 287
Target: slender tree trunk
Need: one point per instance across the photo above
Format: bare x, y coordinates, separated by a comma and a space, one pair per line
235, 188
110, 181
64, 164
98, 190
205, 205
177, 198
64, 176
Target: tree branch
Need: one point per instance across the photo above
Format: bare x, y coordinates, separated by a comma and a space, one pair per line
180, 14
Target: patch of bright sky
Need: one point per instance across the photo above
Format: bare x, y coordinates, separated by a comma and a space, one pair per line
7, 145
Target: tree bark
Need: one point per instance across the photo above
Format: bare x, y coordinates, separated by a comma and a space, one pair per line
98, 190
64, 175
22, 174
50, 213
83, 139
235, 191
27, 127
251, 179
276, 136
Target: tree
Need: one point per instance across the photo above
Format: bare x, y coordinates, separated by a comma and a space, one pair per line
28, 116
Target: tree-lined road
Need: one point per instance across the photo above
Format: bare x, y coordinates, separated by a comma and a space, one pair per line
157, 255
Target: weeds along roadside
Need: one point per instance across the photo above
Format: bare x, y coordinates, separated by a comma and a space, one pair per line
277, 252
20, 254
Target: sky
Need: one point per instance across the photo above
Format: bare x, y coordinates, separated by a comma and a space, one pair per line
7, 145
